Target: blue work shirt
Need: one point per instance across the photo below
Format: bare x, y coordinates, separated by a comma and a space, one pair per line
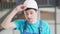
32, 27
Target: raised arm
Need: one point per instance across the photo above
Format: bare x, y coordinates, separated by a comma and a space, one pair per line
7, 21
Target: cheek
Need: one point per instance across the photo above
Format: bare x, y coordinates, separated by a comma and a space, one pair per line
35, 15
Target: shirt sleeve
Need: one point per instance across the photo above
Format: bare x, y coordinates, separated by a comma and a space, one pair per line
46, 28
18, 24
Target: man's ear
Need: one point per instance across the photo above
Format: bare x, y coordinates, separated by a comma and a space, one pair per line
24, 12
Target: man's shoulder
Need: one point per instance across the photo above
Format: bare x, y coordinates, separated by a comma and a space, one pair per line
44, 23
19, 21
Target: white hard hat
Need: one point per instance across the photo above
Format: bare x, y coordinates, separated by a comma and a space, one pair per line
31, 4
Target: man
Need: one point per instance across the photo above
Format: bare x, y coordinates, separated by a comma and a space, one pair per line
31, 25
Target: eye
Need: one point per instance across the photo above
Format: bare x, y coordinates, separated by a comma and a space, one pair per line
26, 13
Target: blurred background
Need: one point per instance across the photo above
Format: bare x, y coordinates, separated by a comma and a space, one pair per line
49, 10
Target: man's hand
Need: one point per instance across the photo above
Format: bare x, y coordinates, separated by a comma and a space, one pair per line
20, 8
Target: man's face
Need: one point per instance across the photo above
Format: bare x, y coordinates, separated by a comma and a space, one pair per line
30, 15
